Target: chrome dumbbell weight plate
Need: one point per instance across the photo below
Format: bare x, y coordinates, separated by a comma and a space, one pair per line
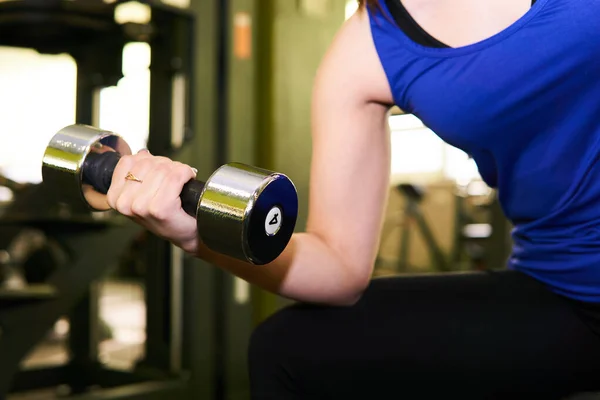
62, 167
247, 212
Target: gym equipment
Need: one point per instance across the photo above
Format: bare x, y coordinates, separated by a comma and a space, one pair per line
12, 185
414, 196
472, 233
26, 316
244, 212
27, 259
26, 243
196, 328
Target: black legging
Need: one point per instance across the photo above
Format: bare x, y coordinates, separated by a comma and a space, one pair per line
488, 335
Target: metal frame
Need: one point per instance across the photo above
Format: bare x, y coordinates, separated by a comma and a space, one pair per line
115, 384
86, 30
412, 213
25, 324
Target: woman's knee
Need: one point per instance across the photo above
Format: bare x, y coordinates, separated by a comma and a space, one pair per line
297, 330
275, 364
276, 339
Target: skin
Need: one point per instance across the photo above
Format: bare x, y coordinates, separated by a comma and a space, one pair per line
462, 22
332, 262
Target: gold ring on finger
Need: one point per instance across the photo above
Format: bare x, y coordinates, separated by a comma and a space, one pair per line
132, 177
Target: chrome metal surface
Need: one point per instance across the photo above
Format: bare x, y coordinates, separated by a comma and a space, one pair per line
64, 158
228, 198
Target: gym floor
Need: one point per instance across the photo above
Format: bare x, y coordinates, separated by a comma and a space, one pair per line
122, 308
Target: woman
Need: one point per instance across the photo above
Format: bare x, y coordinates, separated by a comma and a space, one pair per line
515, 84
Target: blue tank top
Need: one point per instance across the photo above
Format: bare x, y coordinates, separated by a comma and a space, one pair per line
525, 103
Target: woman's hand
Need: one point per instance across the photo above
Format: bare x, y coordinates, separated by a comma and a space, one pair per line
153, 199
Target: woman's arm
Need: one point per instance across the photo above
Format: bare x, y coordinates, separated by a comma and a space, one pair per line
332, 261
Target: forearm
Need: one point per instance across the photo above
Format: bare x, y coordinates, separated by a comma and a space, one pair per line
349, 183
308, 271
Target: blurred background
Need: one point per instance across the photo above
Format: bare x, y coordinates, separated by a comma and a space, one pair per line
232, 82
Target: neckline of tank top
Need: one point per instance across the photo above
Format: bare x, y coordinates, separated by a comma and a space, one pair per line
411, 27
446, 52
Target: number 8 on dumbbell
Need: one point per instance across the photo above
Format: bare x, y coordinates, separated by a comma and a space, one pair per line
241, 211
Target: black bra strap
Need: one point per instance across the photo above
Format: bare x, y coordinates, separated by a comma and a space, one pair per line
411, 28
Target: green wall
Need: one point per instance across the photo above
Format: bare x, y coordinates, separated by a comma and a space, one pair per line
268, 125
242, 104
299, 41
289, 47
199, 350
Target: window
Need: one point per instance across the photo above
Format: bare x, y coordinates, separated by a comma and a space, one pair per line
351, 7
36, 101
418, 154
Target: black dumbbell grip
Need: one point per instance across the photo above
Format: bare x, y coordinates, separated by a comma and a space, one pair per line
98, 170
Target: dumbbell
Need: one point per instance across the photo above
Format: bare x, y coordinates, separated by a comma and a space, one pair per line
241, 211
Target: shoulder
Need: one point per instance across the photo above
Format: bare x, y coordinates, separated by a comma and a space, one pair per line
353, 63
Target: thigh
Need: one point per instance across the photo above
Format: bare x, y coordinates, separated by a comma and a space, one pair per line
477, 335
